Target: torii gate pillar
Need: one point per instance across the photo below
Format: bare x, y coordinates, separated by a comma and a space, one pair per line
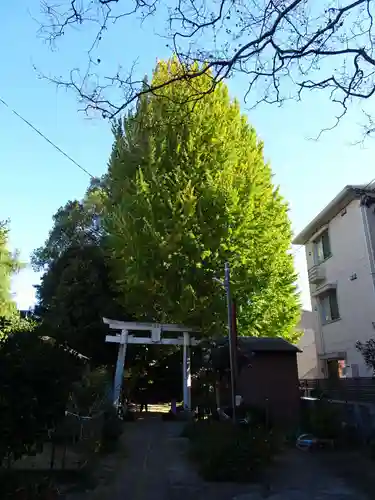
156, 338
119, 373
186, 373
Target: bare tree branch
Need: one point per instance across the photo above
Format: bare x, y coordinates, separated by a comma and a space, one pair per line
284, 47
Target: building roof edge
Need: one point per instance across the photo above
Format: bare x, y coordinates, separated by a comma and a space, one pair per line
343, 198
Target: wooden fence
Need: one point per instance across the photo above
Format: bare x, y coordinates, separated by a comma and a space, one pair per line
346, 389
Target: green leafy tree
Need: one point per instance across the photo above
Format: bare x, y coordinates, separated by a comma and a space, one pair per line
367, 349
76, 290
77, 224
74, 295
15, 323
9, 264
189, 190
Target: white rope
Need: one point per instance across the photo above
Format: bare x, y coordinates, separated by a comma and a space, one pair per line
83, 417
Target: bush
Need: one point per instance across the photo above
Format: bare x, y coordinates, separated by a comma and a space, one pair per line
91, 391
330, 421
322, 419
36, 376
254, 415
227, 452
32, 485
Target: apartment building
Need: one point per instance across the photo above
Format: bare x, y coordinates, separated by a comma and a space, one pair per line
339, 245
307, 358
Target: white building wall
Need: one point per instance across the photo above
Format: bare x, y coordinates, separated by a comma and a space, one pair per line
307, 359
356, 298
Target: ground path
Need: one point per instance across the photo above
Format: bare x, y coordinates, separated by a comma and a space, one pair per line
155, 468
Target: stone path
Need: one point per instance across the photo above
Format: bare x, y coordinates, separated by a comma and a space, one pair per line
155, 468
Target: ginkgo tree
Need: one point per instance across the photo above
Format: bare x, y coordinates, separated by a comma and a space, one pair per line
188, 190
9, 265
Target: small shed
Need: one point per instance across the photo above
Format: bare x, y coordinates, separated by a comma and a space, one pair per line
270, 380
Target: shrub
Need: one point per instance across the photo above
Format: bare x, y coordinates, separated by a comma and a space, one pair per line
91, 391
254, 415
227, 452
32, 486
323, 420
331, 421
36, 376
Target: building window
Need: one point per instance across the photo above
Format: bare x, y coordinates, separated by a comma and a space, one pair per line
336, 368
355, 371
329, 308
322, 247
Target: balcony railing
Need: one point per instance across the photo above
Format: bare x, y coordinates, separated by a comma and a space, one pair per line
316, 274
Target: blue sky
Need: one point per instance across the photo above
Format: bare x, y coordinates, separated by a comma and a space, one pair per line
35, 180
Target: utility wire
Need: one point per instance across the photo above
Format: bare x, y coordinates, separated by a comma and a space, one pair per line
46, 139
80, 166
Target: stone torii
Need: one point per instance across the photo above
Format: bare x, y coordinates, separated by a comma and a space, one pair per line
156, 330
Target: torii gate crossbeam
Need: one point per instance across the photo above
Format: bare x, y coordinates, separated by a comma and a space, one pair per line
156, 330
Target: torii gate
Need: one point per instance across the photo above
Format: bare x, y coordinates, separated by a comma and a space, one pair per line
156, 330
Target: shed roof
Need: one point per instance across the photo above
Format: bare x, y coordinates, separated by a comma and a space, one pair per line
266, 344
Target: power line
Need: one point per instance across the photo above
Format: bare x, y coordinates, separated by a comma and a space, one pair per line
46, 138
80, 166
298, 249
